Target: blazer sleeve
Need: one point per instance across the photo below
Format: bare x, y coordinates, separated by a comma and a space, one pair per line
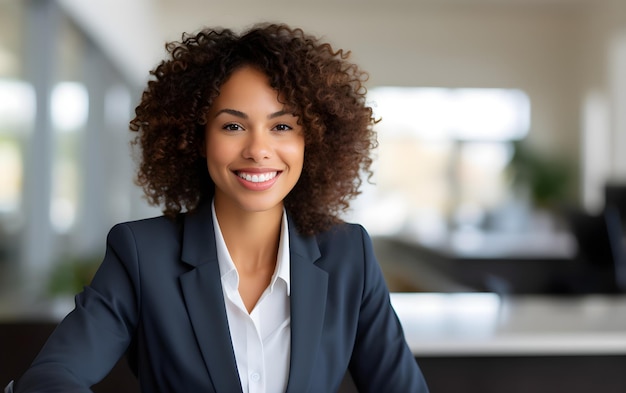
381, 359
94, 336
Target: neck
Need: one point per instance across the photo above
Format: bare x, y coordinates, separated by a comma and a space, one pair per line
252, 238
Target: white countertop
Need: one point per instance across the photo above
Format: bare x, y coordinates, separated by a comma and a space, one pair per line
471, 324
475, 324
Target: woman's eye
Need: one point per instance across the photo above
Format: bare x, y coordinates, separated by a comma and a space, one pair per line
282, 127
232, 127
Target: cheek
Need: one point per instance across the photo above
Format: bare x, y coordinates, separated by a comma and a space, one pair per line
296, 155
216, 154
294, 149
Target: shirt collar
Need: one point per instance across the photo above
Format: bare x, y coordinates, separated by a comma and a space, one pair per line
282, 262
228, 271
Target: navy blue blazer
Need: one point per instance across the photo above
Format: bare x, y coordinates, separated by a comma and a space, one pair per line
158, 297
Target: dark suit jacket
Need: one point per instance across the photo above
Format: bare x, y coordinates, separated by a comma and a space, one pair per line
158, 296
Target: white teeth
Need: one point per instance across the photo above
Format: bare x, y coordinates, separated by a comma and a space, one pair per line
257, 178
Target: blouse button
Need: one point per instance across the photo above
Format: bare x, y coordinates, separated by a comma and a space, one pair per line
255, 377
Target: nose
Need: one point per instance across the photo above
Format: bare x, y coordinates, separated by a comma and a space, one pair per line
258, 146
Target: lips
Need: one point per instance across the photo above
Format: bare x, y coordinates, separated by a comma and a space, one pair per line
256, 179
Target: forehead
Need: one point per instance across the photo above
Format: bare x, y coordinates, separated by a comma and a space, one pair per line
248, 88
246, 82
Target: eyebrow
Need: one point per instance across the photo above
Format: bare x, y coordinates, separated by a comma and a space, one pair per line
242, 115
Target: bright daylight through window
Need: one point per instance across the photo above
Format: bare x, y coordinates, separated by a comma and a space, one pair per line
441, 164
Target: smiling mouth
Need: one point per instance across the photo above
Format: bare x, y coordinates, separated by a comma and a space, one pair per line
257, 177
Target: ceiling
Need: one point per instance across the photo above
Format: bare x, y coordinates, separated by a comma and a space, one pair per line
138, 29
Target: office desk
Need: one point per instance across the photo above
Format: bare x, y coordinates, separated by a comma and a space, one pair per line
485, 324
502, 245
479, 342
484, 262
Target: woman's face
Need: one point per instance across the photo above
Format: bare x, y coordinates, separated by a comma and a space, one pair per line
254, 148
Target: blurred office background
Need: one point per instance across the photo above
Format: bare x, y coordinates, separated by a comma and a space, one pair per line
501, 168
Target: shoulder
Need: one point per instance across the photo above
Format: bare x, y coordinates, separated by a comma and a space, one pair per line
155, 231
151, 223
153, 242
345, 246
346, 234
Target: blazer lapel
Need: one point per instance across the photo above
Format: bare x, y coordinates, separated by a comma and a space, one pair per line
202, 290
308, 303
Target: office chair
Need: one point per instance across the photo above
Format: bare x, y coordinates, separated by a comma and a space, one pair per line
600, 241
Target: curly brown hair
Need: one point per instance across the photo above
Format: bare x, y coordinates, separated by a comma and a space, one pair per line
316, 83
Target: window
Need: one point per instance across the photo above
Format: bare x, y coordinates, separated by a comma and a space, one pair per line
442, 158
17, 111
69, 109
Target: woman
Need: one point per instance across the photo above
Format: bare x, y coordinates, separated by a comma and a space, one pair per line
253, 145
